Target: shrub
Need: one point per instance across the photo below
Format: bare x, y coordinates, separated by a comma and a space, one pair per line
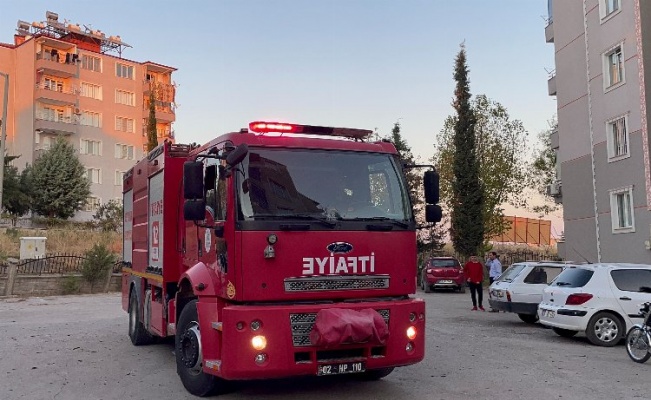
99, 260
70, 284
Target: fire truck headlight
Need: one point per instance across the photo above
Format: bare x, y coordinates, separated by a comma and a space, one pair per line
259, 342
411, 333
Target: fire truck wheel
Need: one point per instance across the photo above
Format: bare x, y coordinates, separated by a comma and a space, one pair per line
189, 358
375, 374
137, 332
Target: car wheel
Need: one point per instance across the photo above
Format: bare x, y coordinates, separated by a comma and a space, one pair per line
604, 329
637, 345
137, 332
564, 332
528, 318
189, 356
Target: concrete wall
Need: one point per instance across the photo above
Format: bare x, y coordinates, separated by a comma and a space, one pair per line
52, 285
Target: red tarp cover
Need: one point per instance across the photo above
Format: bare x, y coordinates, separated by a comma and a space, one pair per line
335, 326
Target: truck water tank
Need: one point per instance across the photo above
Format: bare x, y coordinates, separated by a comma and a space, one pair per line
32, 247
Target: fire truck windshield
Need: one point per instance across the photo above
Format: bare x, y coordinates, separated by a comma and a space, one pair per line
322, 186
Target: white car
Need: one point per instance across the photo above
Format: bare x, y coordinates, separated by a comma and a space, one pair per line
601, 300
520, 288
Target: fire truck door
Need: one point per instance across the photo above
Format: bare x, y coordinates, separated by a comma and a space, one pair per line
211, 237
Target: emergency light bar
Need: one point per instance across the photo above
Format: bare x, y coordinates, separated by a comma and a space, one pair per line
279, 127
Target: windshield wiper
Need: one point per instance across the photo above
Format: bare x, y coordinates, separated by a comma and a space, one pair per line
322, 220
383, 219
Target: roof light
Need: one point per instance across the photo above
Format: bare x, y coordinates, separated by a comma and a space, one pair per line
279, 127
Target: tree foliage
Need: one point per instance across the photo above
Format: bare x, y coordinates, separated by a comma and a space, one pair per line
501, 151
60, 185
152, 134
15, 190
430, 238
543, 169
97, 263
109, 216
460, 168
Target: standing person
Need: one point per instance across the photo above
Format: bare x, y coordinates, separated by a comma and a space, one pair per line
475, 275
494, 266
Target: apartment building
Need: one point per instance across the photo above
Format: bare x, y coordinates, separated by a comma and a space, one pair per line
72, 82
601, 83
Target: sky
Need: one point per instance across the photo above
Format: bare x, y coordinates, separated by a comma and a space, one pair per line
347, 63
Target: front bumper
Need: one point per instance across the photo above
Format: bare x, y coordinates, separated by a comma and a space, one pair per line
289, 351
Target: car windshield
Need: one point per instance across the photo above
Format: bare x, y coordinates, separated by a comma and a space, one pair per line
573, 277
443, 263
331, 185
511, 273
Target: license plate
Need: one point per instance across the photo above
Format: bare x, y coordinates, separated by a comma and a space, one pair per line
445, 281
341, 368
548, 313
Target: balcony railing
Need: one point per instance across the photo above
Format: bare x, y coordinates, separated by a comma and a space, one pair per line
56, 88
59, 64
551, 84
59, 95
43, 116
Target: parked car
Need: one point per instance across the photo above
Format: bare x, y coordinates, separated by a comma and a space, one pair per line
601, 300
520, 288
442, 272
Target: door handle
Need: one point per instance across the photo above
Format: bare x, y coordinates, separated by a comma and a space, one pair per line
625, 298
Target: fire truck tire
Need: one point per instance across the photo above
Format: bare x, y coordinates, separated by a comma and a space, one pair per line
375, 374
189, 360
137, 332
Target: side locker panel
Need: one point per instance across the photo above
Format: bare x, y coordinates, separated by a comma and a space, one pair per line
154, 300
127, 244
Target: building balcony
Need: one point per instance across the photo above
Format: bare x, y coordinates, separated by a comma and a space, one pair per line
551, 84
64, 66
549, 32
54, 125
164, 91
160, 133
55, 95
553, 139
164, 114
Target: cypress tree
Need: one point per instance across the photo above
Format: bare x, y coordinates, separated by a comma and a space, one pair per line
467, 223
152, 134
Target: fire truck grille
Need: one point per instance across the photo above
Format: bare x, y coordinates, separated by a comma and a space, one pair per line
303, 323
325, 283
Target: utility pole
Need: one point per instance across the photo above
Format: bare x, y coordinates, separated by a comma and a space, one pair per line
3, 125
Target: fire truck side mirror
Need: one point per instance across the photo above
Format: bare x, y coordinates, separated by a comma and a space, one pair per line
193, 180
431, 186
194, 210
433, 213
236, 156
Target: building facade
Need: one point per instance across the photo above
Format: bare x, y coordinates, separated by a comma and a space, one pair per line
601, 83
71, 82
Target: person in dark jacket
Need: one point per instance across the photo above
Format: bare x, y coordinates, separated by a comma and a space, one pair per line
475, 276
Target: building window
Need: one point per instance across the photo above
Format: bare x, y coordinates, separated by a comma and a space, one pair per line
618, 140
92, 204
614, 67
54, 114
608, 8
123, 71
91, 63
621, 209
92, 91
124, 151
52, 84
119, 178
94, 175
90, 147
89, 118
125, 124
124, 97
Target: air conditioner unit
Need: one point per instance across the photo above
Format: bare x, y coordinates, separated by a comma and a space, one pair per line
77, 110
554, 189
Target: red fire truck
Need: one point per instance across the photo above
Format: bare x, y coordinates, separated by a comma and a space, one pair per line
280, 250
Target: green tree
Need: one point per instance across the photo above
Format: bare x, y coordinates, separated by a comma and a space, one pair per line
152, 134
430, 238
501, 150
97, 263
60, 182
467, 194
543, 169
109, 216
15, 199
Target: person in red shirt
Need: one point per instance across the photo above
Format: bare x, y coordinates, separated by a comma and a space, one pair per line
475, 276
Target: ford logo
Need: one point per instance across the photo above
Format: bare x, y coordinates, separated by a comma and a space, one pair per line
340, 247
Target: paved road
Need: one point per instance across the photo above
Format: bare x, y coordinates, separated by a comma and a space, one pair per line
76, 347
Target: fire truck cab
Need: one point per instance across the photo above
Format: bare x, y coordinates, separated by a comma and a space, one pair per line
280, 250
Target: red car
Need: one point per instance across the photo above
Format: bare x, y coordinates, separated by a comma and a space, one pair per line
442, 272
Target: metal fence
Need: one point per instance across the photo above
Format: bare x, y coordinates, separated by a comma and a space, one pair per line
52, 264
